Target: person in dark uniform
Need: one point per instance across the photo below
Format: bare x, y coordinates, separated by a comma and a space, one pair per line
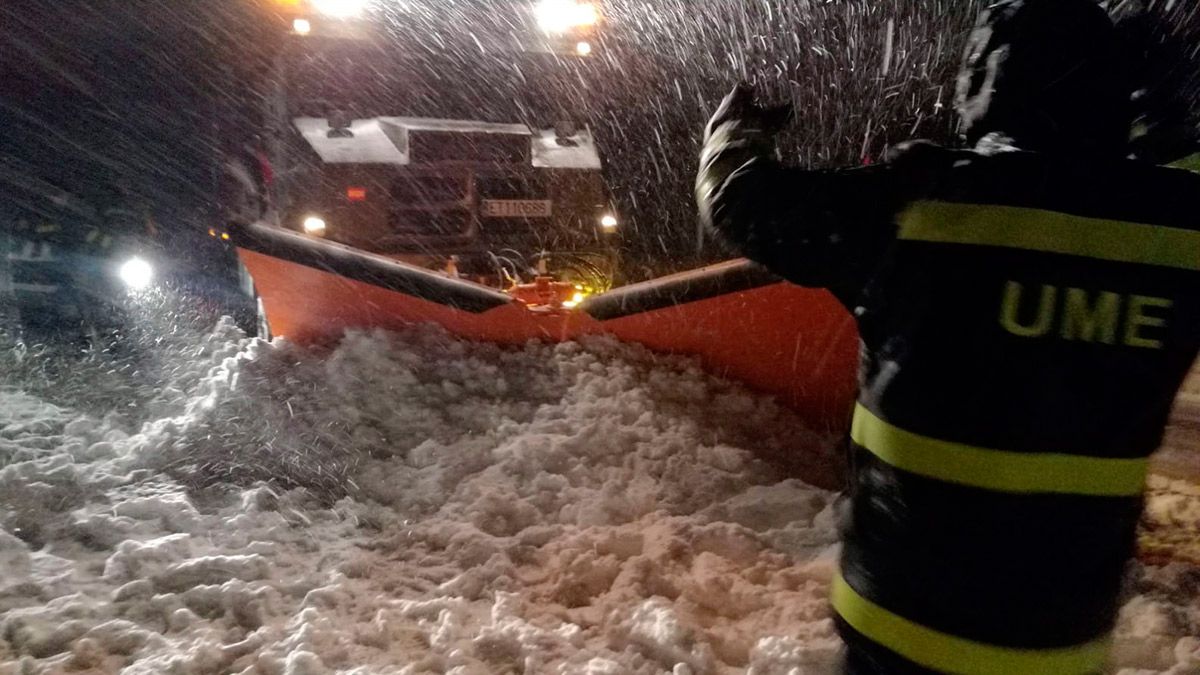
1027, 308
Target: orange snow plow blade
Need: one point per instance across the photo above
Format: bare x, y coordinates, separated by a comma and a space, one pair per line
739, 321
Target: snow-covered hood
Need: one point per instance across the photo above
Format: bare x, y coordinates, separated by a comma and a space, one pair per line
387, 140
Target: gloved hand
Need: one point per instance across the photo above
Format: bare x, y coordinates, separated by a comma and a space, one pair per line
741, 108
740, 133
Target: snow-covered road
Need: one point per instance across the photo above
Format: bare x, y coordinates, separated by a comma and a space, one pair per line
443, 507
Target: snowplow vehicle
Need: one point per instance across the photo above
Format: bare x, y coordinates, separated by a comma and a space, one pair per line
378, 214
370, 142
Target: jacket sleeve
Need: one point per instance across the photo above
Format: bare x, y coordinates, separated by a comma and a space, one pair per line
825, 229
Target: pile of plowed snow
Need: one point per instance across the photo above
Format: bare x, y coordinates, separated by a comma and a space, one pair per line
412, 503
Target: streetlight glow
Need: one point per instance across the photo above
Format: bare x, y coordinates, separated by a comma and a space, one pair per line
301, 26
340, 9
560, 16
584, 48
609, 222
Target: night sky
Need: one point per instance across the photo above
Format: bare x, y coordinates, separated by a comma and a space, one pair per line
104, 100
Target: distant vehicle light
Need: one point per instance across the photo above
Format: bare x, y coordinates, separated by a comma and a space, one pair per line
225, 236
578, 297
609, 222
584, 48
560, 16
301, 26
340, 9
314, 225
137, 274
356, 194
212, 232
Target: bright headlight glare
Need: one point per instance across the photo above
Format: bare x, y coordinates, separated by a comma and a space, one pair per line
560, 16
137, 274
301, 26
314, 225
340, 9
609, 222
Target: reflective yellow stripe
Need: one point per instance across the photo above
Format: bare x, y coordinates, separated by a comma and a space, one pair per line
951, 654
999, 470
1190, 163
1051, 232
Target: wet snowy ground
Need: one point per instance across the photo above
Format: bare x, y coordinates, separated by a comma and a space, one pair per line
443, 507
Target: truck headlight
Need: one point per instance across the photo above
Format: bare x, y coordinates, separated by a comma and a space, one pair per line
137, 274
314, 225
560, 16
340, 9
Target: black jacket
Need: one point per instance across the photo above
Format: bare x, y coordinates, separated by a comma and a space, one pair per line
1026, 320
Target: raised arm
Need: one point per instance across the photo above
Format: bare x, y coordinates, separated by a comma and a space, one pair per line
826, 229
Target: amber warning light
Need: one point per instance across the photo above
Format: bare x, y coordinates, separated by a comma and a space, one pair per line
356, 194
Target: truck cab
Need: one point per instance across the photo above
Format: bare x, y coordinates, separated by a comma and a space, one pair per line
487, 201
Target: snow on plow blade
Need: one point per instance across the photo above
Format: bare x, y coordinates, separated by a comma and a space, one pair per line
741, 322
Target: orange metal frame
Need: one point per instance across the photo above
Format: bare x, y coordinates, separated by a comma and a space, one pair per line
795, 343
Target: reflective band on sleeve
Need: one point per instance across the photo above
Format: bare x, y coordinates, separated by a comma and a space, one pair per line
1000, 470
1050, 232
1190, 163
950, 654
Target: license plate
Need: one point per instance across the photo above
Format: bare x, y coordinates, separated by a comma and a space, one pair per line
517, 208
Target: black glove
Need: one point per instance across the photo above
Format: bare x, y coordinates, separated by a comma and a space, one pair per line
740, 107
740, 133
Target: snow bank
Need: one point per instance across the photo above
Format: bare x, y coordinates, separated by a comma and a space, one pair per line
411, 503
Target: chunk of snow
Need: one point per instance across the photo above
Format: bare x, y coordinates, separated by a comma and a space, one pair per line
406, 503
